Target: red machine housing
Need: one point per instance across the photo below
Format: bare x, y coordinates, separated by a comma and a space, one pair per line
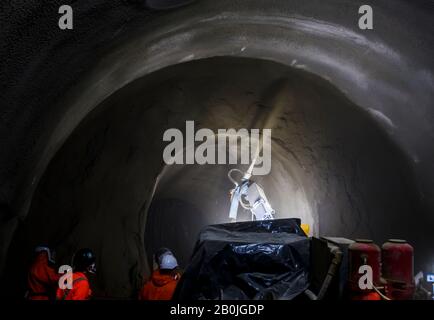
397, 269
363, 252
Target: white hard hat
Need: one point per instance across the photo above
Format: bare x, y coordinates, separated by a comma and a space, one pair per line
50, 254
168, 261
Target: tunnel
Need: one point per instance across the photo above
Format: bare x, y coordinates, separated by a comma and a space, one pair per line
351, 114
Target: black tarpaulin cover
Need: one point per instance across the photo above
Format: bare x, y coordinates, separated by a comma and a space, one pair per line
248, 260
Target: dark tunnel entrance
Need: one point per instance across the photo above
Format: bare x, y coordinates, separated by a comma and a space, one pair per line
332, 166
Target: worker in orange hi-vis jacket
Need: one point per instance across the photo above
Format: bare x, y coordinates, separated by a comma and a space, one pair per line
83, 264
164, 279
42, 278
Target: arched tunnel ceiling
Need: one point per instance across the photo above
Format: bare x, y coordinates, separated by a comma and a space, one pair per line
386, 75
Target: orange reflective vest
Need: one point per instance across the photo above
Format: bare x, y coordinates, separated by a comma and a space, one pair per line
42, 279
80, 289
160, 286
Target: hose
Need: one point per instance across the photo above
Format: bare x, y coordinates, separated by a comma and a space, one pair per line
334, 265
232, 179
379, 292
336, 262
237, 185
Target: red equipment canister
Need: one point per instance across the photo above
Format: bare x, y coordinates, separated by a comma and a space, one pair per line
363, 252
397, 269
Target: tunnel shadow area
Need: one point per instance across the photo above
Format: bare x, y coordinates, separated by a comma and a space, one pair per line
96, 191
165, 230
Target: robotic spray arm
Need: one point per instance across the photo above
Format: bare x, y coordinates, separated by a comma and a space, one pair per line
250, 196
